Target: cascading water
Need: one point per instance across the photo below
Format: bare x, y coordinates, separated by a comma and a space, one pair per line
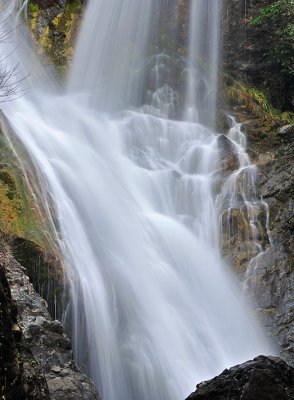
110, 51
244, 216
154, 310
203, 61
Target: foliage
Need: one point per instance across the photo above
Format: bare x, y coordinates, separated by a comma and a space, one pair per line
33, 8
256, 102
74, 7
18, 212
280, 15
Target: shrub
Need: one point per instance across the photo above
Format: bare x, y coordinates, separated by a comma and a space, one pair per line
280, 15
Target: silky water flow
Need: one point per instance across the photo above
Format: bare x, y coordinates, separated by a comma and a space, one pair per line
154, 310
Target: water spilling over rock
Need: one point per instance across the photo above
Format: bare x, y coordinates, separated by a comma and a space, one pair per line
153, 307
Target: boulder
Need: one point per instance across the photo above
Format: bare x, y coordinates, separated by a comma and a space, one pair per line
228, 157
264, 378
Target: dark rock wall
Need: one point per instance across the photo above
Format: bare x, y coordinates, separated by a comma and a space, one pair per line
19, 379
246, 50
271, 278
37, 356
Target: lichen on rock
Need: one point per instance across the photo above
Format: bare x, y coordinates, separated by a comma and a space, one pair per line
54, 25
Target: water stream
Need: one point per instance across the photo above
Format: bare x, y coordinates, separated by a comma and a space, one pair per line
154, 307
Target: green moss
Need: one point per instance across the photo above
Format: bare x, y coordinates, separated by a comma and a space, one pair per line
33, 8
56, 34
18, 215
73, 7
262, 100
45, 272
280, 15
255, 102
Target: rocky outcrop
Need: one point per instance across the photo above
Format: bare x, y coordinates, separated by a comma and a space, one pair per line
54, 24
45, 271
39, 348
19, 379
270, 278
18, 215
25, 226
228, 156
264, 378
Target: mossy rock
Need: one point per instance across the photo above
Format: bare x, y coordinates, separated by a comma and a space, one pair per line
249, 100
45, 271
252, 107
26, 233
54, 26
18, 211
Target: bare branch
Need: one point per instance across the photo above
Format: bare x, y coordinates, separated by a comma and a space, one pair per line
11, 80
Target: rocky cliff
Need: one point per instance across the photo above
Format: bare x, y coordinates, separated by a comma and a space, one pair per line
35, 354
251, 83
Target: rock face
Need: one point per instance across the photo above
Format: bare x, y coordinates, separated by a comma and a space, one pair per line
17, 207
19, 378
246, 49
40, 361
54, 24
264, 378
271, 277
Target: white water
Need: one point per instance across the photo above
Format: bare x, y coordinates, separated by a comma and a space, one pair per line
154, 310
110, 53
203, 61
239, 193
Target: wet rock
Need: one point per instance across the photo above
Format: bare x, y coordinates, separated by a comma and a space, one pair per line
239, 244
54, 25
68, 382
270, 278
270, 282
18, 378
264, 378
287, 131
44, 349
44, 270
228, 156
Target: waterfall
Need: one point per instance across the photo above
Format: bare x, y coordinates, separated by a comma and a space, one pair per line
203, 61
154, 307
110, 53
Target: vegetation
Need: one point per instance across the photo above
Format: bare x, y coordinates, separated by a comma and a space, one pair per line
54, 27
280, 15
255, 102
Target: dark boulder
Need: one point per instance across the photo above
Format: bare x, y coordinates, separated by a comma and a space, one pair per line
228, 157
264, 378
